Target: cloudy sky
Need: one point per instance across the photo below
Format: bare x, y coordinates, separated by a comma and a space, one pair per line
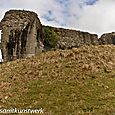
95, 16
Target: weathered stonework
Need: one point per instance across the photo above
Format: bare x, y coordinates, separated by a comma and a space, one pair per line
108, 38
71, 38
21, 35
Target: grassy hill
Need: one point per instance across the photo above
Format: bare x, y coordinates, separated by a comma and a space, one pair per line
80, 81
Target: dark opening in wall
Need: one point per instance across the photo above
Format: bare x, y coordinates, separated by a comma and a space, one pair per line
10, 46
1, 59
24, 40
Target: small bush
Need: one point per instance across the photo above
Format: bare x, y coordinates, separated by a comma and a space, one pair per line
50, 38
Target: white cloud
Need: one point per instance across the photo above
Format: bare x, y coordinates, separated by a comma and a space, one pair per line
97, 18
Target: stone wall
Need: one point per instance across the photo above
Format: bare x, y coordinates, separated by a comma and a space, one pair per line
71, 38
108, 38
21, 34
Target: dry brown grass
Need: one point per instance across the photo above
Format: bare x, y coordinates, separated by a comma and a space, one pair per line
80, 81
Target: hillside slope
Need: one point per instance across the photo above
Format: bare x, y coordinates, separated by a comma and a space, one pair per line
80, 81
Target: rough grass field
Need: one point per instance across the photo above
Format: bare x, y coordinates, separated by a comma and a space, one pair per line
64, 82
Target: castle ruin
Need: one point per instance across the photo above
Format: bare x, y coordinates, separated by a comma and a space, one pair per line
22, 36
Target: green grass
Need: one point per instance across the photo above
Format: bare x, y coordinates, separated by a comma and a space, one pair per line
71, 82
93, 95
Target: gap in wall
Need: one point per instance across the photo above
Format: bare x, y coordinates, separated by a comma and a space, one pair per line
1, 60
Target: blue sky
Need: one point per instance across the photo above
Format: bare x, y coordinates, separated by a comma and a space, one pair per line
90, 2
95, 16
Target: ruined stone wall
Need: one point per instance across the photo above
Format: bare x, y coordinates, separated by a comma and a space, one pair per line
108, 38
21, 34
71, 38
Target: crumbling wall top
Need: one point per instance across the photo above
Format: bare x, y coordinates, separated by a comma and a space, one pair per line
18, 19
